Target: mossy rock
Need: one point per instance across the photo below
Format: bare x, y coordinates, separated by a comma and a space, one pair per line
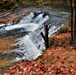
64, 29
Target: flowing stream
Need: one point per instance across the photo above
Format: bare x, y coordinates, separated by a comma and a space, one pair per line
32, 44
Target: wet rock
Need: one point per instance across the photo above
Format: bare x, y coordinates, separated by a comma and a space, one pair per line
6, 20
11, 55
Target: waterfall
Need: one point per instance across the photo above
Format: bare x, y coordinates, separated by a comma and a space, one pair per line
32, 44
27, 48
27, 19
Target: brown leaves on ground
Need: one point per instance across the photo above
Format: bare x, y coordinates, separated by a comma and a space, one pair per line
60, 40
54, 61
5, 44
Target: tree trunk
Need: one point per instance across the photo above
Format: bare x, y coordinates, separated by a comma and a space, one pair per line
75, 23
45, 36
71, 22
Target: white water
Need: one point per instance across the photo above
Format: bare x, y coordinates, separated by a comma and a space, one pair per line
28, 48
1, 25
27, 44
27, 19
27, 26
32, 44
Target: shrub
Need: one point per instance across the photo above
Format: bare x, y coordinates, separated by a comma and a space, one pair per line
64, 29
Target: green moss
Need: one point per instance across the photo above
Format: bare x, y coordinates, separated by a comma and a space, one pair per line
6, 67
64, 29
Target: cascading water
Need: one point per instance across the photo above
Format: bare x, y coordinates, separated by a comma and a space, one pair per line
27, 44
32, 44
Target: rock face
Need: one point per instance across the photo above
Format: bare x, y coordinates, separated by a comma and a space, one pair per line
7, 19
14, 16
17, 19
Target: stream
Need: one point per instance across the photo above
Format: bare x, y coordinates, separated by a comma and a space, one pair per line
26, 32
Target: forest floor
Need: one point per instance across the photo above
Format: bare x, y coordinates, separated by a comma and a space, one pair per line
59, 59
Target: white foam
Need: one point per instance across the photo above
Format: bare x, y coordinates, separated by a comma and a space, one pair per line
43, 20
27, 19
38, 18
1, 25
29, 49
27, 26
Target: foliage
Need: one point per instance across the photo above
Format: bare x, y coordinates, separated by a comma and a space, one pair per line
7, 5
64, 29
10, 4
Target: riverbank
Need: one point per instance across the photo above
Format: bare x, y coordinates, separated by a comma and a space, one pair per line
58, 59
5, 52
